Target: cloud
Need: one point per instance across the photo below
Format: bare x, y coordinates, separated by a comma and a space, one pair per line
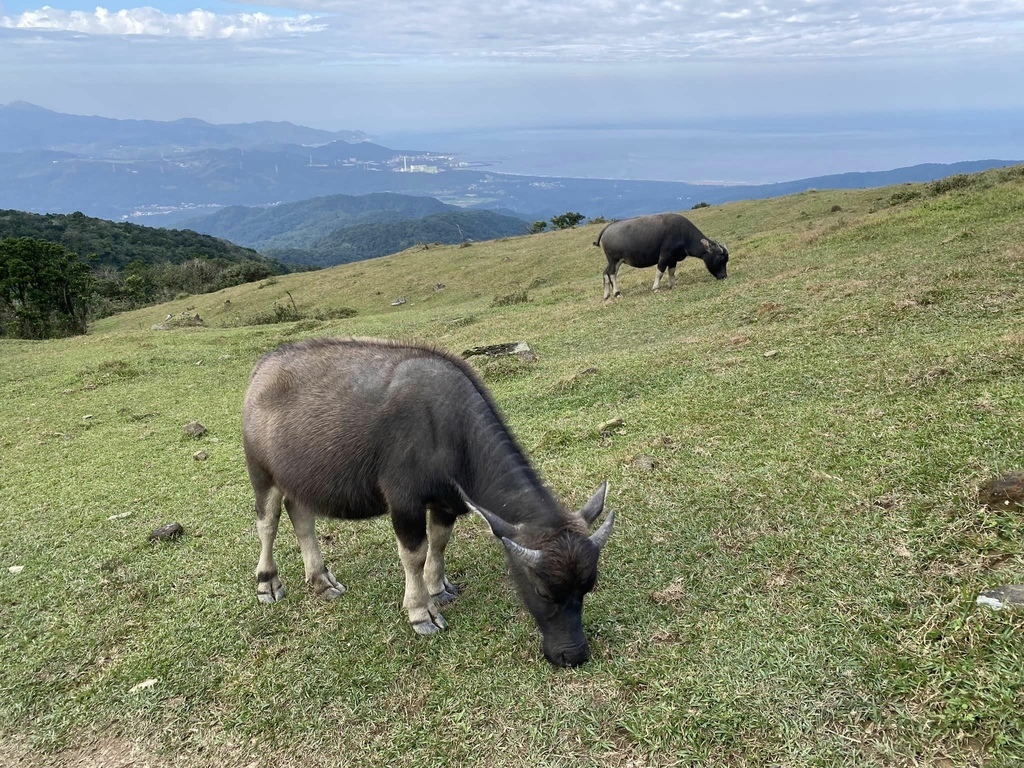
197, 24
598, 31
626, 30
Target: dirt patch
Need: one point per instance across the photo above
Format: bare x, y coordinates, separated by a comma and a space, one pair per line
673, 594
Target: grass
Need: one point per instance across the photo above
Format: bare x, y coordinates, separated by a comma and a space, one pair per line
792, 576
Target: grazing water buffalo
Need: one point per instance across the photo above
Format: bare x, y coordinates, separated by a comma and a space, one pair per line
355, 428
664, 239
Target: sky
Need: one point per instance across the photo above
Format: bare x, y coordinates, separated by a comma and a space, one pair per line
422, 65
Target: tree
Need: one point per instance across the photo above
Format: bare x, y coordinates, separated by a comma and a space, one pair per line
537, 227
45, 290
567, 220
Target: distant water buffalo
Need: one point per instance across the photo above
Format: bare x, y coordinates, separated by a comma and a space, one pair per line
662, 239
355, 428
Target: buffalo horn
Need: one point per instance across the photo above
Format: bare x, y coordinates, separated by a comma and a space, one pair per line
498, 526
593, 508
600, 536
528, 557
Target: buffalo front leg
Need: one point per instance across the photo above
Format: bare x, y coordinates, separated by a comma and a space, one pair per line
269, 587
413, 548
439, 532
324, 583
671, 277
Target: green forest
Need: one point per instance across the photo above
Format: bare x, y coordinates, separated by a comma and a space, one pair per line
59, 270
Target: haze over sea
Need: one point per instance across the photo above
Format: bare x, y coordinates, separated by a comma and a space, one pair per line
736, 150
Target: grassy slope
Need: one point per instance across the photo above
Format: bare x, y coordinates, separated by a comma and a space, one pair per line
792, 584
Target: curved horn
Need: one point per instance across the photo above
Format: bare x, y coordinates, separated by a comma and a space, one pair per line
595, 505
528, 557
600, 536
498, 527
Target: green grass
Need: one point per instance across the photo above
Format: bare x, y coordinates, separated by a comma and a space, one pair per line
793, 582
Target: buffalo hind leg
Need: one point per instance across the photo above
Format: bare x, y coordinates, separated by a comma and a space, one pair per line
324, 583
611, 284
269, 587
413, 548
439, 532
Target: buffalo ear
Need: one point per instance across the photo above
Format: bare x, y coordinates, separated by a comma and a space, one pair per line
498, 527
704, 242
595, 506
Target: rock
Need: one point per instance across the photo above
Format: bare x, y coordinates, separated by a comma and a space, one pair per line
1002, 597
397, 302
1005, 492
440, 287
644, 463
168, 532
120, 516
149, 683
183, 320
194, 429
836, 208
608, 426
771, 353
520, 348
16, 569
200, 455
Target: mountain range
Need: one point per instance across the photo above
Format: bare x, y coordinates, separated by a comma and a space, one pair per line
163, 173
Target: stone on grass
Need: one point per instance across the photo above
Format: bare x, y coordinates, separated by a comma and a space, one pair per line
200, 455
609, 425
167, 532
194, 429
16, 569
1002, 597
644, 463
1005, 492
520, 348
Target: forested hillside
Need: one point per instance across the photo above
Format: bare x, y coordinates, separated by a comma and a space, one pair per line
131, 265
299, 225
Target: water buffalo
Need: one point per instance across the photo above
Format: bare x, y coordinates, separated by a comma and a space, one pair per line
664, 239
355, 428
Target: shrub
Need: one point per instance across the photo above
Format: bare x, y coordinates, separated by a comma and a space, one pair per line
903, 196
948, 184
518, 297
701, 204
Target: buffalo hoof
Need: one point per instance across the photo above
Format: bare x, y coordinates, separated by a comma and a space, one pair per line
618, 295
446, 595
271, 592
432, 627
327, 587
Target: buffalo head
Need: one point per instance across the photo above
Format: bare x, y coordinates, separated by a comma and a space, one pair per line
553, 571
715, 256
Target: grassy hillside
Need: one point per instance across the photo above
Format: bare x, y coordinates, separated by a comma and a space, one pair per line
797, 549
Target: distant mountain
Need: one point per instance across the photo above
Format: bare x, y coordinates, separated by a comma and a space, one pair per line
119, 244
27, 127
299, 225
366, 241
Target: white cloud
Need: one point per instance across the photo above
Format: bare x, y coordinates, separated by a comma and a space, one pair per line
603, 31
197, 24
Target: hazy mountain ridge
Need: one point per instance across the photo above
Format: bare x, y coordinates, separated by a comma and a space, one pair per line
27, 127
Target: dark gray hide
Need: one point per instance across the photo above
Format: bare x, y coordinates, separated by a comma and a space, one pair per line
663, 239
359, 427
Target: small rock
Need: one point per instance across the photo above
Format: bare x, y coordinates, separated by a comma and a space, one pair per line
1002, 597
440, 287
644, 463
149, 683
529, 356
836, 208
1005, 492
194, 429
508, 348
609, 425
16, 568
200, 455
120, 516
168, 532
771, 353
397, 302
662, 442
87, 416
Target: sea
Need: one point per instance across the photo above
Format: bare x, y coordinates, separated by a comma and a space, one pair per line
736, 151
